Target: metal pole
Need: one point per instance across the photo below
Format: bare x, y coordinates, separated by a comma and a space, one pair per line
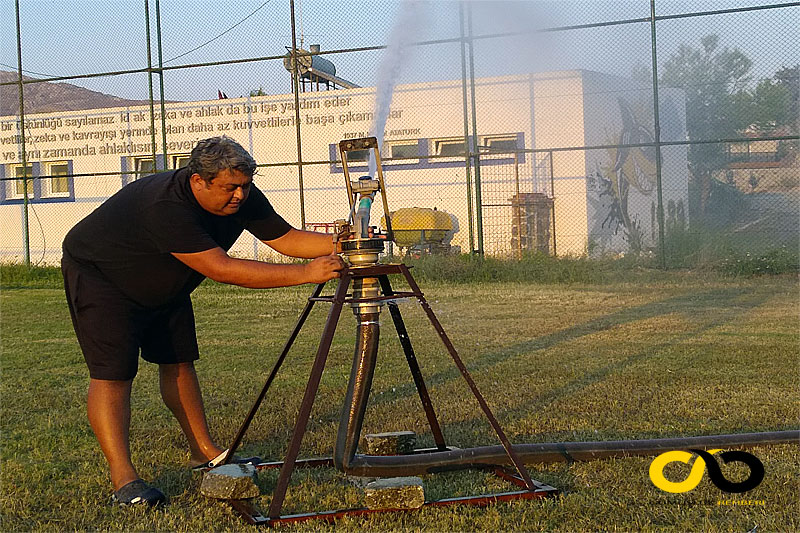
519, 207
161, 86
26, 241
467, 158
150, 85
553, 197
296, 89
477, 155
657, 136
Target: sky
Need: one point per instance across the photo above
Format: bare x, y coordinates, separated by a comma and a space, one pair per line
70, 37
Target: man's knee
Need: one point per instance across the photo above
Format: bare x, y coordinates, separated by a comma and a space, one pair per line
176, 371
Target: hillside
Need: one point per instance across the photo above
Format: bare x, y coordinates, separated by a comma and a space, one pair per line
47, 97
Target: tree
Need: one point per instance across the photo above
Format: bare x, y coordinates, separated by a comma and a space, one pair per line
714, 81
789, 77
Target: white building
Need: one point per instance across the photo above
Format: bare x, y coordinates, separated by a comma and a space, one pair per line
604, 198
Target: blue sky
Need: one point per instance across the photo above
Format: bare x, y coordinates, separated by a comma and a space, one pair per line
68, 37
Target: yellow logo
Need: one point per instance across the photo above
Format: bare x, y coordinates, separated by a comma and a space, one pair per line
694, 478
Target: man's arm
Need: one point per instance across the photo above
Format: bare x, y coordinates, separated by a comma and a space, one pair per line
305, 244
219, 266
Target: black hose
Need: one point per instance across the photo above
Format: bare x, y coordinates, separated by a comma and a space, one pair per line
553, 452
355, 403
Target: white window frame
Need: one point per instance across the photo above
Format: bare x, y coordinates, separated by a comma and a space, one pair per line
174, 158
47, 183
436, 145
387, 150
12, 191
358, 163
487, 139
137, 164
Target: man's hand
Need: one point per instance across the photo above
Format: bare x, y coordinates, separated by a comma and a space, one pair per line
323, 268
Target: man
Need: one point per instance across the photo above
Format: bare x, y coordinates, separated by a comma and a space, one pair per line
129, 268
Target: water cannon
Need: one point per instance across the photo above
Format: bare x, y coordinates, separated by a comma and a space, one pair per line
361, 243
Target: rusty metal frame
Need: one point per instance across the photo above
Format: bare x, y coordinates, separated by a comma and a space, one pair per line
531, 489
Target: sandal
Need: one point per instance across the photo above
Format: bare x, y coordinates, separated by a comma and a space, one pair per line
138, 492
236, 460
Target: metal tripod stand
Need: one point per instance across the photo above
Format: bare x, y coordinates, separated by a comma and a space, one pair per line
401, 466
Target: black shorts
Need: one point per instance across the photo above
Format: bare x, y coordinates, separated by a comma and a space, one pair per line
112, 328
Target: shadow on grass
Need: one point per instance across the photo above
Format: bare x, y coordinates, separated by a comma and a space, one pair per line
732, 302
742, 302
714, 306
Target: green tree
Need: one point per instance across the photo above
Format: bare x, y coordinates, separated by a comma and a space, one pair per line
789, 79
714, 80
771, 106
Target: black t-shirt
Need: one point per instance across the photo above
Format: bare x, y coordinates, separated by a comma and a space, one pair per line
131, 236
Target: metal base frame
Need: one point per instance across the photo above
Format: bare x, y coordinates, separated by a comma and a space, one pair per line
521, 478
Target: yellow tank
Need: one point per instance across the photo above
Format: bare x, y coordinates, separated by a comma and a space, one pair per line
418, 225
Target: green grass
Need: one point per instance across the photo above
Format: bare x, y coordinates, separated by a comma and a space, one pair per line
617, 356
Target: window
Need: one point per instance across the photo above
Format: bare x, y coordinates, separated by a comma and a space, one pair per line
180, 160
404, 150
448, 147
500, 144
57, 184
358, 155
144, 166
23, 179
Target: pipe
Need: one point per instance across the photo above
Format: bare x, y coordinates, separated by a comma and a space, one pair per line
553, 452
355, 403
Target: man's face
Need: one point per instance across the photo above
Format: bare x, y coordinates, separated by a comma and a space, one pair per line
225, 194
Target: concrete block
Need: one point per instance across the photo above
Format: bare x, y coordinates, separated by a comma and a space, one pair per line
395, 493
230, 482
391, 443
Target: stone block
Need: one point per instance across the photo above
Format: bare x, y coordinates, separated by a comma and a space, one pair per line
230, 482
391, 443
395, 493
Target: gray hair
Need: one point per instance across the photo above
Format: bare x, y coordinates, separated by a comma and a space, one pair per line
213, 155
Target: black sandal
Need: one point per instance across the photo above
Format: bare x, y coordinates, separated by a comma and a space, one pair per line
138, 492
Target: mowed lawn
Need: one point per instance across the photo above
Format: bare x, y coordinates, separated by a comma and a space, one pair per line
675, 354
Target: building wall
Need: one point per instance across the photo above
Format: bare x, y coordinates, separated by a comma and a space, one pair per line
536, 111
621, 184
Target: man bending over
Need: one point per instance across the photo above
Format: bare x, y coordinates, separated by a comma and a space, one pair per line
129, 268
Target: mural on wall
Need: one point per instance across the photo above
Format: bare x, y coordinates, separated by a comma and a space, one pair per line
625, 170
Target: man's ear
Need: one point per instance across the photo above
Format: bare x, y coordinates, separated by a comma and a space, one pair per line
197, 182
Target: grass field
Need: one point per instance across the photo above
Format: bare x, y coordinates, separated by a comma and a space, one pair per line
638, 356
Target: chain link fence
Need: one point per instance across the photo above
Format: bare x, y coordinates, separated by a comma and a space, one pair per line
665, 129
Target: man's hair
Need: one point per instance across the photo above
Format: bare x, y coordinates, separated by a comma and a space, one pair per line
210, 156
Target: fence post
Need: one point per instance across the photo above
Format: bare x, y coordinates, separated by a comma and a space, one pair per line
553, 196
150, 88
467, 156
296, 88
161, 87
476, 153
657, 136
26, 242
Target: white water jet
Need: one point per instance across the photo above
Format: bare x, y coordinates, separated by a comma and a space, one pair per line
407, 29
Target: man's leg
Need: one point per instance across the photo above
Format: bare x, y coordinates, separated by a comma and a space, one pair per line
109, 409
181, 393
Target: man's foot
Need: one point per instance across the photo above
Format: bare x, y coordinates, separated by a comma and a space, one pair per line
138, 492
